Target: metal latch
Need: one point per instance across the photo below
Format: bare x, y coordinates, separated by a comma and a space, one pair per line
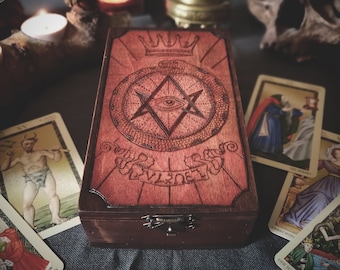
172, 224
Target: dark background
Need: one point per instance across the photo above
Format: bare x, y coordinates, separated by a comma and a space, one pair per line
73, 96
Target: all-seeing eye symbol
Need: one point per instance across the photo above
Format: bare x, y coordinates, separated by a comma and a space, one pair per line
168, 103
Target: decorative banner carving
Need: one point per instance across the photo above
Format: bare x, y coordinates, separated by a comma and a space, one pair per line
138, 166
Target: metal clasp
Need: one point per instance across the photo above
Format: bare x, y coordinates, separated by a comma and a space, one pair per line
173, 223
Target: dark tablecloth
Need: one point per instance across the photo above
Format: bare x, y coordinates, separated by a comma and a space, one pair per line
73, 97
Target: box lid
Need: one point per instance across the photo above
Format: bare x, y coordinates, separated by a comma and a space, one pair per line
168, 127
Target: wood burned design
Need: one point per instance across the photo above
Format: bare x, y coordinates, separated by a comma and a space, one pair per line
199, 166
169, 107
169, 132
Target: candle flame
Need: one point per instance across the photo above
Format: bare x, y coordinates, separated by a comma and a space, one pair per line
41, 12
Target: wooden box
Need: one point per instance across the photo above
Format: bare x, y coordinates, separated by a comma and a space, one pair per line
168, 163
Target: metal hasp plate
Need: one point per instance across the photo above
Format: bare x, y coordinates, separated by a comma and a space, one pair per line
172, 223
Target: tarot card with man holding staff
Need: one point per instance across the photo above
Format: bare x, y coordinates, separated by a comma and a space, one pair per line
41, 173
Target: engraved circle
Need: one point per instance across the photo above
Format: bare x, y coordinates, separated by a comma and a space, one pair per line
169, 107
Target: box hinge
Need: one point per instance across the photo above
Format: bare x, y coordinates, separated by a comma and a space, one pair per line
172, 224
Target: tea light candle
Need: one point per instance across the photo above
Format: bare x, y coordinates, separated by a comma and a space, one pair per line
109, 6
45, 26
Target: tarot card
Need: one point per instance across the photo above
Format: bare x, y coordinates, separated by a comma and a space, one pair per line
317, 246
284, 122
41, 174
20, 246
302, 198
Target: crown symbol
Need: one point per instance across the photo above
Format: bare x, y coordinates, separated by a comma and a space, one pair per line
308, 240
162, 47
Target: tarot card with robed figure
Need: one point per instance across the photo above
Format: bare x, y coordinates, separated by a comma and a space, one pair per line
317, 246
20, 247
41, 173
302, 198
284, 122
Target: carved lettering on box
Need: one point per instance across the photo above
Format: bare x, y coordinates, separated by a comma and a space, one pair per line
200, 166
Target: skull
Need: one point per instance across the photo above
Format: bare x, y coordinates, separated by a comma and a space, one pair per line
299, 28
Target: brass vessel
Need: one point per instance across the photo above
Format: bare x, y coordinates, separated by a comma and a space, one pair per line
198, 13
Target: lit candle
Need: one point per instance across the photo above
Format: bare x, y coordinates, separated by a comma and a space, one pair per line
45, 26
110, 6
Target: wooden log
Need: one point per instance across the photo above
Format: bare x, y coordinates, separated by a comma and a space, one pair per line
11, 17
26, 63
